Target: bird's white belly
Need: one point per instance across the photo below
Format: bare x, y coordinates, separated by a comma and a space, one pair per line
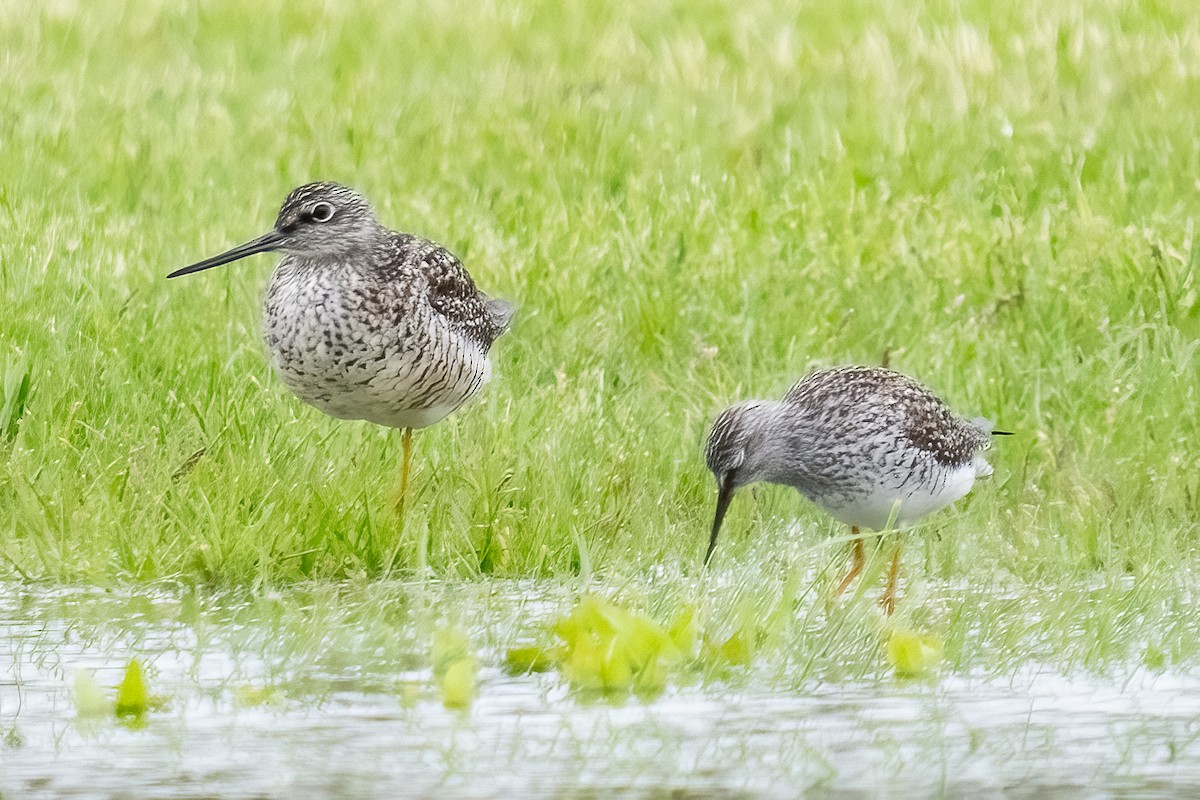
337, 357
903, 506
366, 406
386, 392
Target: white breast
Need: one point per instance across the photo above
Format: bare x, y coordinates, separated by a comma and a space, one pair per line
332, 346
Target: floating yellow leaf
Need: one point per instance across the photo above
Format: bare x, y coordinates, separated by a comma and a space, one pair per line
648, 642
89, 697
449, 645
652, 679
912, 653
454, 667
133, 698
683, 630
583, 664
612, 649
616, 668
737, 650
740, 647
458, 684
520, 660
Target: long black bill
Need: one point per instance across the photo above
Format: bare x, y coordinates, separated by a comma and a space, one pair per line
724, 495
265, 243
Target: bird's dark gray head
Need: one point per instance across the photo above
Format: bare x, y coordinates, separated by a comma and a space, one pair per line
321, 220
731, 441
325, 220
732, 454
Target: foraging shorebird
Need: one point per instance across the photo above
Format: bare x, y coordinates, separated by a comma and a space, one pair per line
870, 446
367, 323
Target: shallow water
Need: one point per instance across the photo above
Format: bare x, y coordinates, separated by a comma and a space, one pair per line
272, 699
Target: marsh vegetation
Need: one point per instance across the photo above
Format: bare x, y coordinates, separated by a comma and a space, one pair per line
691, 204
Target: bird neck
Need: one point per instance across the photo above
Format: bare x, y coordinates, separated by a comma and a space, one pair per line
761, 426
780, 445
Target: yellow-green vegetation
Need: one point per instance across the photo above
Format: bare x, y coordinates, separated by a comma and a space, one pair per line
529, 658
605, 647
614, 650
132, 699
90, 700
454, 667
691, 203
913, 654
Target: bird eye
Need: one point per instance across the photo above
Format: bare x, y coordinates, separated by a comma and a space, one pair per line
322, 212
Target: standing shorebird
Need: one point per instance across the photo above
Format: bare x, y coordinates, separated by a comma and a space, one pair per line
870, 446
367, 323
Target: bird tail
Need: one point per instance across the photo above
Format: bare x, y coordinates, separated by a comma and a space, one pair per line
984, 424
982, 468
501, 312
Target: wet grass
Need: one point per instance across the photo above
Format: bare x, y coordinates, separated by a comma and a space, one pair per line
311, 641
691, 205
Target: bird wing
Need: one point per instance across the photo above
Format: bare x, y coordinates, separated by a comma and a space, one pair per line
934, 428
874, 396
452, 293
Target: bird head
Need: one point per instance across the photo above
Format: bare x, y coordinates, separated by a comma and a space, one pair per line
730, 453
317, 220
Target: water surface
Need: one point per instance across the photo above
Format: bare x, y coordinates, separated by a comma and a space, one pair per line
284, 697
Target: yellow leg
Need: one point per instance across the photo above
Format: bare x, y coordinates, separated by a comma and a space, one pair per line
857, 561
405, 469
400, 499
888, 598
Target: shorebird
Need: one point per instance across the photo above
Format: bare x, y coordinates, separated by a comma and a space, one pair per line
366, 323
871, 447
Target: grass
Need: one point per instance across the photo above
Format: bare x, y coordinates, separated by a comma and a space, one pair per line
691, 204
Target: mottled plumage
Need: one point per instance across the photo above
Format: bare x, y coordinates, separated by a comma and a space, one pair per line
866, 444
367, 323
